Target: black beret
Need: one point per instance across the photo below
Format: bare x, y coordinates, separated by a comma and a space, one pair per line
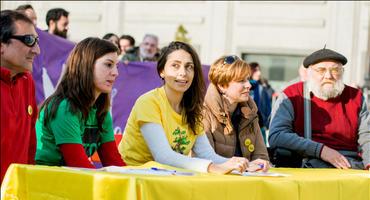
323, 54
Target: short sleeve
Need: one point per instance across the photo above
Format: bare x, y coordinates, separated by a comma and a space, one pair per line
107, 134
147, 110
66, 126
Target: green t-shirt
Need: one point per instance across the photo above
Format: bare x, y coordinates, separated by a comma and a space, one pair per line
69, 128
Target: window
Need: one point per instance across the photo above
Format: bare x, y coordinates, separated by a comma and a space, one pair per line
278, 69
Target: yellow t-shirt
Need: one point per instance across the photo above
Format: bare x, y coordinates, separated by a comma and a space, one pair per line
153, 107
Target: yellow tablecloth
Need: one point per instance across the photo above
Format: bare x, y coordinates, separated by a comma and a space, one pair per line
42, 182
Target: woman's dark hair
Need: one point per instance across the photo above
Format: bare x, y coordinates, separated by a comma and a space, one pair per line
77, 84
192, 101
24, 7
109, 35
129, 38
254, 66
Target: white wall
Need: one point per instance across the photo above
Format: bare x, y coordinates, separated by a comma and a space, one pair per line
218, 28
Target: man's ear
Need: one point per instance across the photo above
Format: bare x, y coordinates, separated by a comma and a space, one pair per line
2, 48
52, 25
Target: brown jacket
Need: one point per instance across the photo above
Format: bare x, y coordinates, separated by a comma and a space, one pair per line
220, 131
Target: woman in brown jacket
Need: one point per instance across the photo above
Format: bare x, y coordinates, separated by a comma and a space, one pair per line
230, 114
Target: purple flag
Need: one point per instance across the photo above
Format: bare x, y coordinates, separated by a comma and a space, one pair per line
54, 51
133, 80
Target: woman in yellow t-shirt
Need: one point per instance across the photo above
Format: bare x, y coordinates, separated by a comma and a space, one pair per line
165, 123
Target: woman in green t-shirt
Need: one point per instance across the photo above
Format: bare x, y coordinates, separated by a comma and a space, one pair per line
165, 123
75, 120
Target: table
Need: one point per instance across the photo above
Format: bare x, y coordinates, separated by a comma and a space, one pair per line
44, 182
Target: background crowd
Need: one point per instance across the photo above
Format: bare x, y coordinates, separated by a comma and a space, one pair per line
227, 126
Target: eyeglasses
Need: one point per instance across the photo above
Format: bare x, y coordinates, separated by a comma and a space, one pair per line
230, 59
28, 40
334, 71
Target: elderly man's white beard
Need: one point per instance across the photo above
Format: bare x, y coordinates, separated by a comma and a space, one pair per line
326, 94
145, 55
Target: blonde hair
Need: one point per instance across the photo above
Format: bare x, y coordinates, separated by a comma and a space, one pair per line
222, 73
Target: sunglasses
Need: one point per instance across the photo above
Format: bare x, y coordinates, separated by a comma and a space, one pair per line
230, 59
28, 40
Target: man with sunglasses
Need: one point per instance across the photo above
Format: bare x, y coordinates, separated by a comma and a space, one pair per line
19, 46
340, 132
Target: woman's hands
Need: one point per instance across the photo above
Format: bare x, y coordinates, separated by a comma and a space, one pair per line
259, 164
239, 164
235, 163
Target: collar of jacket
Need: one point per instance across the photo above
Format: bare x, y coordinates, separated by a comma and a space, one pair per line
219, 106
5, 75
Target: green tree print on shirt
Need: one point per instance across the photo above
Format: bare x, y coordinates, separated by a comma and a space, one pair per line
181, 140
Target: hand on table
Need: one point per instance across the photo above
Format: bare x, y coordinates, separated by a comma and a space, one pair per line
335, 158
258, 164
235, 163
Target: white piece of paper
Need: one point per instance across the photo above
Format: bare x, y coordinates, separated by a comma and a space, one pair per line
269, 174
145, 171
261, 174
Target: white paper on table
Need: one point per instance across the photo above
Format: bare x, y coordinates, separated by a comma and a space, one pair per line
137, 171
263, 174
145, 171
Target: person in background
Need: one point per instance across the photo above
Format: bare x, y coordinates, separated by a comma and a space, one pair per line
75, 121
57, 21
302, 73
261, 92
165, 123
126, 43
339, 117
19, 47
111, 37
147, 51
28, 10
230, 114
302, 76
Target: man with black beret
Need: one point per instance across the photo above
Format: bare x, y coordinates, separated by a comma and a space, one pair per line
340, 135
